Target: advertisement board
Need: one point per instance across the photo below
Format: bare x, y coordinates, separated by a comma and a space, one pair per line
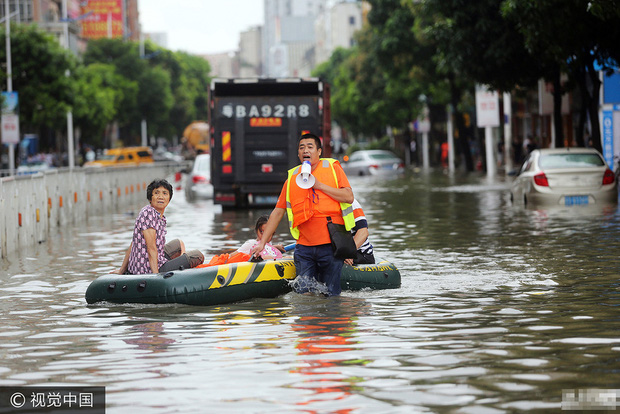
487, 107
608, 137
104, 19
611, 88
10, 119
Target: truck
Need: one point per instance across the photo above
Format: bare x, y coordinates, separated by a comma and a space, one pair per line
195, 139
255, 124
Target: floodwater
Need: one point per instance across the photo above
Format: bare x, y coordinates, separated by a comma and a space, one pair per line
502, 309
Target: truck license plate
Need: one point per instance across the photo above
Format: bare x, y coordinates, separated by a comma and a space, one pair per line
575, 200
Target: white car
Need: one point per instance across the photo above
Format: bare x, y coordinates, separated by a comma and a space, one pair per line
198, 181
566, 177
373, 162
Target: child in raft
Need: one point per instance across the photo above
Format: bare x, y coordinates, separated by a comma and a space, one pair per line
242, 254
271, 251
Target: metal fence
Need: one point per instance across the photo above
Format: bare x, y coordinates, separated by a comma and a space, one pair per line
32, 205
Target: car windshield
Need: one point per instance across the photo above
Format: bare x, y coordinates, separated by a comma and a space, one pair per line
584, 160
382, 156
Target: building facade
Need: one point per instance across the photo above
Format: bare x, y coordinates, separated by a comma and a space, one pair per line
250, 53
289, 36
336, 28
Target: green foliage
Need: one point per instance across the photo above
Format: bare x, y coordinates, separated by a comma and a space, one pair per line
171, 86
39, 67
100, 92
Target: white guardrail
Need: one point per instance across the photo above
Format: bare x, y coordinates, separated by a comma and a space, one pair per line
32, 205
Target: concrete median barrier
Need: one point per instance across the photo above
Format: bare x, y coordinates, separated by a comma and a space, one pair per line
32, 205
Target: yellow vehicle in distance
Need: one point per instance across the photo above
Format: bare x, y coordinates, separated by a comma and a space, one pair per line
125, 156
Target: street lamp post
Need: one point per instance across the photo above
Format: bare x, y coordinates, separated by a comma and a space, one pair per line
143, 125
70, 144
9, 76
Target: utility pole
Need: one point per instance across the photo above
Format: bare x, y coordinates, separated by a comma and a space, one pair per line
144, 129
70, 144
9, 76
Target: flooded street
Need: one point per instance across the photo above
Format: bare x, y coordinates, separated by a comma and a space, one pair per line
501, 309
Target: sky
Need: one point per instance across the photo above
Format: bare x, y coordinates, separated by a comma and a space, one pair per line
201, 26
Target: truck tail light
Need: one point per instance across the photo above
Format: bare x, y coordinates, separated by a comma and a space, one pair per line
227, 169
608, 177
541, 180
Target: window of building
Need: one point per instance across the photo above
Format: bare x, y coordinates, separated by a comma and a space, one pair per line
352, 20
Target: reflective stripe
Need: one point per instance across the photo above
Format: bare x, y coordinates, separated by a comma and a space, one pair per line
347, 210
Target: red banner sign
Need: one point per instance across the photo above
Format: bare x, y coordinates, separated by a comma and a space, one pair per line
105, 19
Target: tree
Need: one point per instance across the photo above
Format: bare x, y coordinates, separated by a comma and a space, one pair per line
189, 83
586, 40
39, 67
155, 99
99, 93
172, 86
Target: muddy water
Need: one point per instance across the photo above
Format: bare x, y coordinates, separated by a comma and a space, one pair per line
500, 310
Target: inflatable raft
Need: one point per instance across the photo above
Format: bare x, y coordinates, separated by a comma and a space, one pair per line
228, 283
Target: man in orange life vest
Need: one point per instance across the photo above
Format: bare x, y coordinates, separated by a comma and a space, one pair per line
307, 211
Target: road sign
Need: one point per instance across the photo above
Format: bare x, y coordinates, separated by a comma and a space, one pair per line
487, 107
10, 129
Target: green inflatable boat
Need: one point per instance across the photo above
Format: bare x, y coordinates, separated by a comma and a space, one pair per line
217, 285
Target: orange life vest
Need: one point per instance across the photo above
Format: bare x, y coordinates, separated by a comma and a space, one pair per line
302, 204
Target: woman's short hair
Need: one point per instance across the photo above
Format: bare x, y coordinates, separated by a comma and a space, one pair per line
156, 184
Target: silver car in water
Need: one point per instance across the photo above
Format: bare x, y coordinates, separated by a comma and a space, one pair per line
373, 162
565, 177
198, 181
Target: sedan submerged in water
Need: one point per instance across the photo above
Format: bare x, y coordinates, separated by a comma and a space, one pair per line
566, 177
198, 181
373, 162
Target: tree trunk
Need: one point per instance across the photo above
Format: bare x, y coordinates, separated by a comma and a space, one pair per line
462, 141
582, 83
558, 91
593, 105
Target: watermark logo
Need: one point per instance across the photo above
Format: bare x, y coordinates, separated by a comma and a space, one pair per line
50, 399
590, 399
18, 400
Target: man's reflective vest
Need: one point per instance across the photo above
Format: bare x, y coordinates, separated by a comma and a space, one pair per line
304, 204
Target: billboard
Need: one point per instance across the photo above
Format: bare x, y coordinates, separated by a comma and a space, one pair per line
10, 118
487, 107
611, 88
104, 19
